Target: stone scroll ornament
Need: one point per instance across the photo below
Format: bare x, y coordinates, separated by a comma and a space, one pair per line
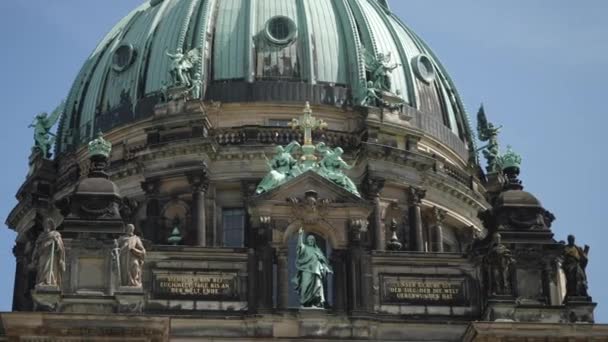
312, 271
131, 254
43, 138
49, 256
319, 158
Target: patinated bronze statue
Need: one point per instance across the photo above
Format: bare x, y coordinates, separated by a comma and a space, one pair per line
312, 269
283, 166
181, 66
132, 254
43, 138
332, 166
488, 132
49, 256
498, 265
574, 265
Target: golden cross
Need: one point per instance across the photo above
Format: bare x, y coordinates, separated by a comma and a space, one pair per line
307, 123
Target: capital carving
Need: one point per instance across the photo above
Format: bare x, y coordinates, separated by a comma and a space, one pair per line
151, 186
357, 227
374, 186
199, 180
439, 215
416, 195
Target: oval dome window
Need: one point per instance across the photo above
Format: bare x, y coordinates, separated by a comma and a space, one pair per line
123, 57
424, 69
280, 30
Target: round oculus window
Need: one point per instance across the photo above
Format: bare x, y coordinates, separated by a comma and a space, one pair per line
280, 30
424, 69
123, 57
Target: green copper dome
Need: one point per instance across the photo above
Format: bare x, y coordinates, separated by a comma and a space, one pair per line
256, 51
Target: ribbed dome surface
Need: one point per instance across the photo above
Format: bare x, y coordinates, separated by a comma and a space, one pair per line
260, 50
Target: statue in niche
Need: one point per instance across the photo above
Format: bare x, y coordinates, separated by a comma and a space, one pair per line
132, 254
49, 256
312, 270
574, 265
197, 87
181, 66
283, 166
332, 166
43, 138
499, 262
487, 132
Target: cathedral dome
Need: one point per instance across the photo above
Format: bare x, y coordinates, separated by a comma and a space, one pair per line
261, 51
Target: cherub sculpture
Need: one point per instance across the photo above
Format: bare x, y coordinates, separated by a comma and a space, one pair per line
43, 138
487, 132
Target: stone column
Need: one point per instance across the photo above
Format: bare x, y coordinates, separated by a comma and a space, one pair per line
21, 278
338, 257
375, 186
439, 215
252, 295
200, 185
282, 279
417, 235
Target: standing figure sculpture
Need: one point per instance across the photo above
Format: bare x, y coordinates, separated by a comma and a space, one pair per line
49, 256
312, 269
132, 254
181, 65
487, 132
498, 265
332, 166
574, 265
283, 166
43, 138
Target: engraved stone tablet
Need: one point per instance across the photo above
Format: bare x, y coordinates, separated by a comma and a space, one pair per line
196, 285
423, 290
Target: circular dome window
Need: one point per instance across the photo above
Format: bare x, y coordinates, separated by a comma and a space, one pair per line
123, 57
424, 69
280, 30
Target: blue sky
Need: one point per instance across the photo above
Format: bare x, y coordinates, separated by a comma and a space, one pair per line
539, 67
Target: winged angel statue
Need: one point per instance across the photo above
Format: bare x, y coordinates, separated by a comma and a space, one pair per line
487, 132
43, 138
283, 167
181, 66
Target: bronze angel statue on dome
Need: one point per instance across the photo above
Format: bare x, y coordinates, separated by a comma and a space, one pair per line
487, 132
43, 138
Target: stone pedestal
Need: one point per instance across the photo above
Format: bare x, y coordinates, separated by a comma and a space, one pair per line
579, 309
46, 298
130, 299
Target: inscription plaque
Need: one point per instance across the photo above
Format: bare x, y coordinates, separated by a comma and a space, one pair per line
423, 290
196, 285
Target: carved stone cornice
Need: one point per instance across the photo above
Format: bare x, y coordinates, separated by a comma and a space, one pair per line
415, 195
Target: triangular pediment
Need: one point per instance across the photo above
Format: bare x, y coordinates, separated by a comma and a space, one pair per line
308, 181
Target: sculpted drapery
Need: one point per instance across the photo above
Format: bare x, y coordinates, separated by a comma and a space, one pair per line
49, 256
131, 257
312, 269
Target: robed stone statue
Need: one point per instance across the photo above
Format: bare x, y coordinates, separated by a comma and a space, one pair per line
49, 256
499, 262
574, 263
131, 258
312, 269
